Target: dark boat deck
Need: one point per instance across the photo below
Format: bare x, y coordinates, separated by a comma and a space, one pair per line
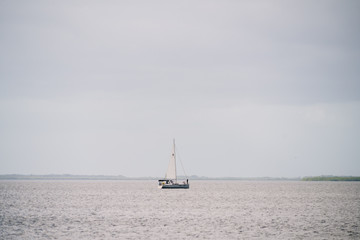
175, 186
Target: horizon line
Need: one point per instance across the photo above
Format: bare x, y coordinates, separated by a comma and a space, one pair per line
120, 176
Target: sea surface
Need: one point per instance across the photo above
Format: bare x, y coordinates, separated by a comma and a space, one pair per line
208, 210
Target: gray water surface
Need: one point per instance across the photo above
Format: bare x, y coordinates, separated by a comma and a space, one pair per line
208, 210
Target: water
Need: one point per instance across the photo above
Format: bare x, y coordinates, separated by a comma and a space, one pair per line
208, 210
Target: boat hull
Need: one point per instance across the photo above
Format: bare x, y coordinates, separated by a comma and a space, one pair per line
175, 186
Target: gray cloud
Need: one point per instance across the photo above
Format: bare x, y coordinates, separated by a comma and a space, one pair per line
249, 88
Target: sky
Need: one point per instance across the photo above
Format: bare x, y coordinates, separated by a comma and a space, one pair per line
247, 88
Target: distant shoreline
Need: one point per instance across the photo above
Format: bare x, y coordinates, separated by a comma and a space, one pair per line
121, 177
193, 177
332, 178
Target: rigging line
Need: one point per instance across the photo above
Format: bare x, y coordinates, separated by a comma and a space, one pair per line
182, 166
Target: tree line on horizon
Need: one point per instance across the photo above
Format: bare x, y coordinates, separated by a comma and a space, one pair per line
192, 177
331, 178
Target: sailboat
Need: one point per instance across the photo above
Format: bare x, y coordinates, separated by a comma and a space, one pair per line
170, 180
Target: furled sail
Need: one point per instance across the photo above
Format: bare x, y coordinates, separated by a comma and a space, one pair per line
171, 172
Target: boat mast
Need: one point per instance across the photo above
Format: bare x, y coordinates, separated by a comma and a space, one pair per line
175, 160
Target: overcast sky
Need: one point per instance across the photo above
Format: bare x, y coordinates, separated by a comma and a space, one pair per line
247, 88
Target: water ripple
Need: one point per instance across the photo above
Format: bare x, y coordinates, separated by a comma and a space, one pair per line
209, 210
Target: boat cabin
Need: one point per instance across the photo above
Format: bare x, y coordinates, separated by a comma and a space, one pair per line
165, 181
